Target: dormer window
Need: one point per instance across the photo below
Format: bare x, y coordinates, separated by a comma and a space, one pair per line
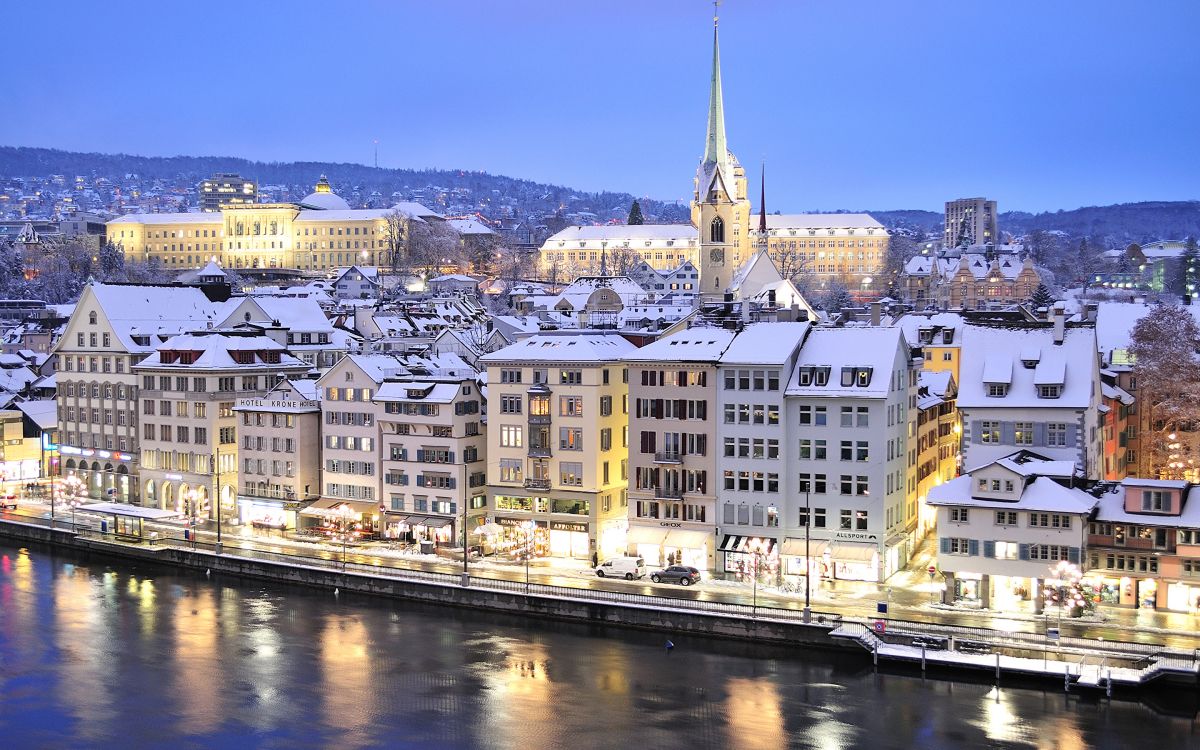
859, 377
806, 376
863, 377
947, 335
1049, 391
997, 390
821, 376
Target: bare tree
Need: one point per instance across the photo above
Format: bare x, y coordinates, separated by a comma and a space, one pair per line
395, 234
1164, 346
432, 245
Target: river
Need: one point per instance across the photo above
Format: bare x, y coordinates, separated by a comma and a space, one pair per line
101, 655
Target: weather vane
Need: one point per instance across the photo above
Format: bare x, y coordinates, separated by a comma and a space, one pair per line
716, 11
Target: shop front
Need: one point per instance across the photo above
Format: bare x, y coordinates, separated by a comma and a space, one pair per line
570, 539
519, 538
268, 515
1183, 596
437, 530
968, 588
795, 551
331, 517
612, 539
669, 544
895, 554
745, 556
855, 561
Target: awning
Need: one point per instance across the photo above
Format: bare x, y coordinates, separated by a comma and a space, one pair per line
687, 539
646, 535
734, 543
429, 522
795, 547
854, 553
328, 506
130, 511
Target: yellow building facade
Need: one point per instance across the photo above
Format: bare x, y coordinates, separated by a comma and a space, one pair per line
318, 233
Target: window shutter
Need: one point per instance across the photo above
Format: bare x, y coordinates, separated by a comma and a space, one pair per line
1023, 551
1073, 555
989, 548
451, 483
973, 547
680, 408
451, 456
1039, 433
977, 431
420, 480
944, 542
728, 513
420, 455
702, 413
403, 479
1072, 435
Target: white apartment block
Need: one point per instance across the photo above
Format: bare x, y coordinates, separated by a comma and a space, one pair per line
279, 439
556, 446
752, 460
1031, 387
851, 417
112, 328
433, 458
189, 386
673, 481
1005, 526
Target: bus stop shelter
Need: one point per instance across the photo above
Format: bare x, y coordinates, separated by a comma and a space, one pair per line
127, 521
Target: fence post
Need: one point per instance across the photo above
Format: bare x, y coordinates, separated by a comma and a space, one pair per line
875, 652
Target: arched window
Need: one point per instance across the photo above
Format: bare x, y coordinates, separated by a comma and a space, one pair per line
716, 230
92, 318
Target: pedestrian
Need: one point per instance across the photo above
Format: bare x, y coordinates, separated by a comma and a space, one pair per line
595, 560
670, 646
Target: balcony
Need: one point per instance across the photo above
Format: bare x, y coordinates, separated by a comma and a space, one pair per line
275, 493
668, 457
539, 451
537, 484
539, 419
668, 493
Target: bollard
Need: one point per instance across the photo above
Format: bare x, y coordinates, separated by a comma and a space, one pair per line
997, 668
1066, 678
1108, 684
466, 580
875, 653
922, 658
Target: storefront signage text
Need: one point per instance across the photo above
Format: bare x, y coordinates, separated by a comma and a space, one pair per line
857, 536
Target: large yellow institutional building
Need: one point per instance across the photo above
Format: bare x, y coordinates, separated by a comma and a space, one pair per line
318, 233
850, 249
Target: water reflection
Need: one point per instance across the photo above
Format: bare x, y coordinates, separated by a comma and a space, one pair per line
115, 658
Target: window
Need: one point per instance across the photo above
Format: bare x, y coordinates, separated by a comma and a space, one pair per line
716, 230
510, 376
1156, 500
1006, 518
958, 515
989, 432
510, 404
1056, 434
1049, 391
606, 439
570, 438
997, 390
847, 416
606, 405
571, 474
570, 377
958, 546
510, 436
570, 406
1023, 433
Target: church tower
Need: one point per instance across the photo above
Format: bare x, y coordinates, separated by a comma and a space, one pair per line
720, 210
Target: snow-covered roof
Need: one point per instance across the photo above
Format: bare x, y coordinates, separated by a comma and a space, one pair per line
546, 347
615, 234
1112, 510
325, 201
764, 344
44, 413
169, 218
1115, 322
993, 355
452, 277
295, 313
805, 222
698, 344
1043, 494
469, 226
423, 392
214, 352
153, 311
211, 269
835, 348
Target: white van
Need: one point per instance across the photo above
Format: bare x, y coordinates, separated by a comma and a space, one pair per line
628, 568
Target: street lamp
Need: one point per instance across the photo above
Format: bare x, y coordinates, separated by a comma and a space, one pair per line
1065, 577
192, 496
73, 489
528, 527
807, 553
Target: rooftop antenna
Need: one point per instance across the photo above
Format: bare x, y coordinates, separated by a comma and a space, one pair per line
376, 153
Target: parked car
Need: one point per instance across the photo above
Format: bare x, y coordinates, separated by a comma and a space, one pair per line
684, 575
628, 568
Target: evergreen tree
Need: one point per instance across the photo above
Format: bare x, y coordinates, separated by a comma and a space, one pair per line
1041, 297
635, 214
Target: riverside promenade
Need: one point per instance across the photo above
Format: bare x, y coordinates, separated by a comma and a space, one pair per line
1076, 662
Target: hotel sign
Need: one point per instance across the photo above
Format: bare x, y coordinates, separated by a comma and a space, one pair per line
282, 403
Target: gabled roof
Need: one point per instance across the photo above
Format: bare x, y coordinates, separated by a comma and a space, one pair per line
993, 355
765, 344
1043, 494
215, 352
152, 310
698, 344
581, 348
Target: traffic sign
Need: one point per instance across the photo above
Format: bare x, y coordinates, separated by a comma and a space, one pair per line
880, 626
932, 569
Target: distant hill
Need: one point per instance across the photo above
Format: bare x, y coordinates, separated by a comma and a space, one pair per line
1117, 224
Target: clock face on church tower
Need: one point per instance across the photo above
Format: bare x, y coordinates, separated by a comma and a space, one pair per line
717, 255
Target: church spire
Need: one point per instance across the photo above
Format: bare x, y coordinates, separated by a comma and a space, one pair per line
716, 150
762, 202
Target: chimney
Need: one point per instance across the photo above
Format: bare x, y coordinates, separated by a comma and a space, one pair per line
876, 313
1060, 323
1092, 311
728, 303
745, 311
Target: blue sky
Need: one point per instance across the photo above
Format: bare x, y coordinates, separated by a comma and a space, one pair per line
870, 104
